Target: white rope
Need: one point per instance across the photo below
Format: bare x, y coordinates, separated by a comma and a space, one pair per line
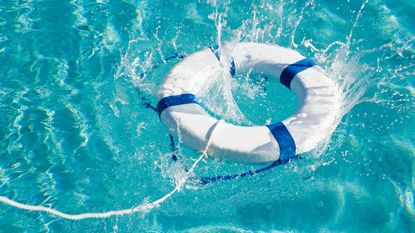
145, 207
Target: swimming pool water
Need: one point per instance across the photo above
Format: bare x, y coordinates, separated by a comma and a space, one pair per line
75, 135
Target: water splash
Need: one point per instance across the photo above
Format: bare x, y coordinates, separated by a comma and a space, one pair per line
219, 88
297, 23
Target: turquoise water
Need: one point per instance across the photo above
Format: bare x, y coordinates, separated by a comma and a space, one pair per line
75, 136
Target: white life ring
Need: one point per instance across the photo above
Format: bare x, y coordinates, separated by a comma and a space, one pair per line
318, 115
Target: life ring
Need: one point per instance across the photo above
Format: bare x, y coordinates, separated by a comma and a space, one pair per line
319, 112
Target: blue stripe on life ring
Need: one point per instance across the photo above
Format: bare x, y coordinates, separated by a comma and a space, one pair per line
214, 49
285, 141
232, 69
216, 52
292, 70
175, 100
